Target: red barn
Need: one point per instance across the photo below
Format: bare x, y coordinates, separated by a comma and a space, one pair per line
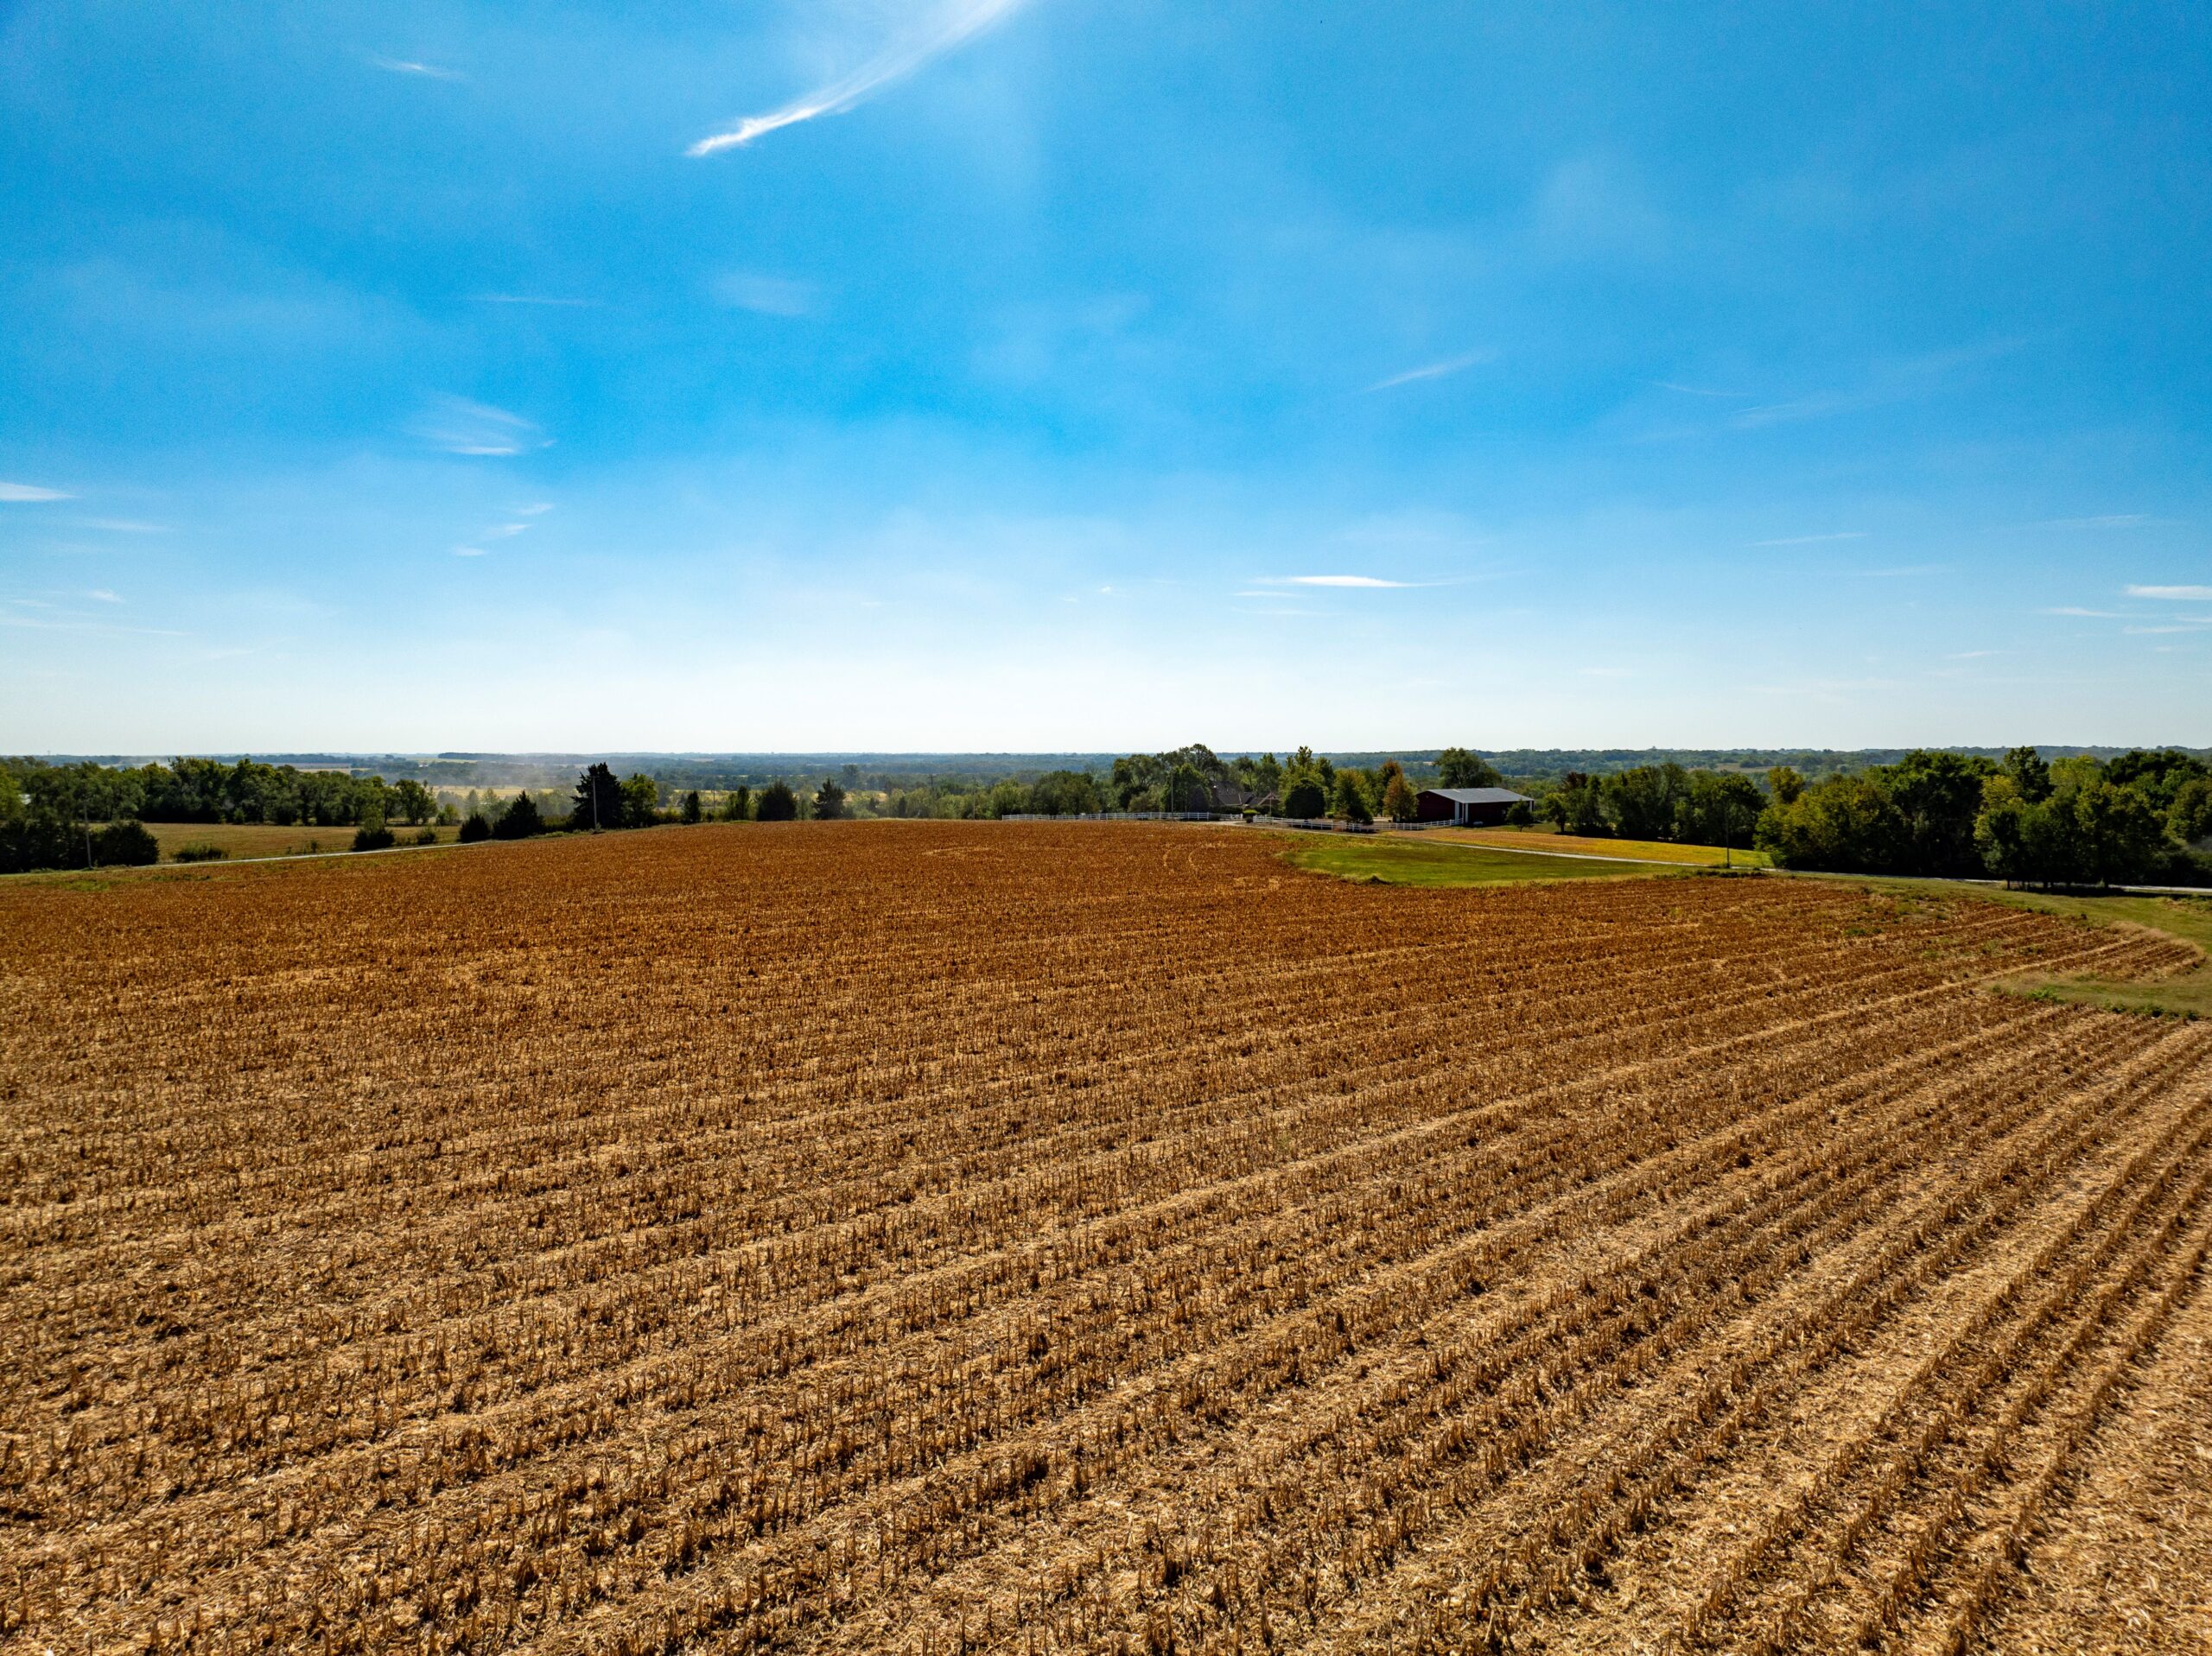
1466, 807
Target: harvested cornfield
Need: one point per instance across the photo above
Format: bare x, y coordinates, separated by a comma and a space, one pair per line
936, 1237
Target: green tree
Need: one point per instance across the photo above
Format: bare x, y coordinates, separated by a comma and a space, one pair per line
411, 803
1720, 808
1784, 784
1187, 790
2000, 831
520, 820
1457, 768
125, 845
2121, 833
692, 811
1643, 802
778, 802
1065, 793
2029, 775
474, 827
1348, 802
598, 800
2190, 819
1303, 800
1577, 806
829, 801
1938, 796
737, 804
1400, 803
1848, 824
640, 801
2157, 776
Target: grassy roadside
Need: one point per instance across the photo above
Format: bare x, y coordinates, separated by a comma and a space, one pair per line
1418, 860
2187, 993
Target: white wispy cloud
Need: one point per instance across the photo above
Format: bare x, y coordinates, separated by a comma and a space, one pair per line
1699, 390
1815, 407
502, 531
536, 508
23, 493
412, 66
2113, 520
28, 623
461, 426
103, 595
122, 526
1970, 655
2075, 609
768, 295
1341, 580
529, 298
2174, 594
946, 26
1809, 540
470, 552
1434, 369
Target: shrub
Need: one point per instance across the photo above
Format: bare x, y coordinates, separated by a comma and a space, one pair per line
519, 821
476, 827
426, 836
130, 844
372, 836
200, 851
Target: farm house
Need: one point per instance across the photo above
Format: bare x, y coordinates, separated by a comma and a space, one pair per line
1466, 807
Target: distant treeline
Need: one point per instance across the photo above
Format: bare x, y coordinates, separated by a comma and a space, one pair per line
2077, 820
711, 774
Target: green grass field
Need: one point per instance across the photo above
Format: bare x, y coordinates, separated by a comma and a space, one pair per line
1412, 861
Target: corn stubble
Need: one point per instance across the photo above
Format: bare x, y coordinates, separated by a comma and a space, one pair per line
944, 1237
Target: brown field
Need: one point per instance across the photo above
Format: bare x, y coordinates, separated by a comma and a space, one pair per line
949, 1236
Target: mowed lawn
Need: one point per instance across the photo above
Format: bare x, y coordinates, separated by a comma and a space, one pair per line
1535, 841
1411, 860
236, 840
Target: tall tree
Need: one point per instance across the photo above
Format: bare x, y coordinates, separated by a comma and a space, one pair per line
640, 801
599, 800
778, 802
1457, 768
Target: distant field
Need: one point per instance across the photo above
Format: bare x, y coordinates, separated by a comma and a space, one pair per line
1407, 859
263, 838
1540, 839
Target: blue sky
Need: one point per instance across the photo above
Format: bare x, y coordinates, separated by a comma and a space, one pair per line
991, 374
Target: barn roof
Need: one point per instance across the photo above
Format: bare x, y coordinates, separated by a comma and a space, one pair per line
1476, 795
